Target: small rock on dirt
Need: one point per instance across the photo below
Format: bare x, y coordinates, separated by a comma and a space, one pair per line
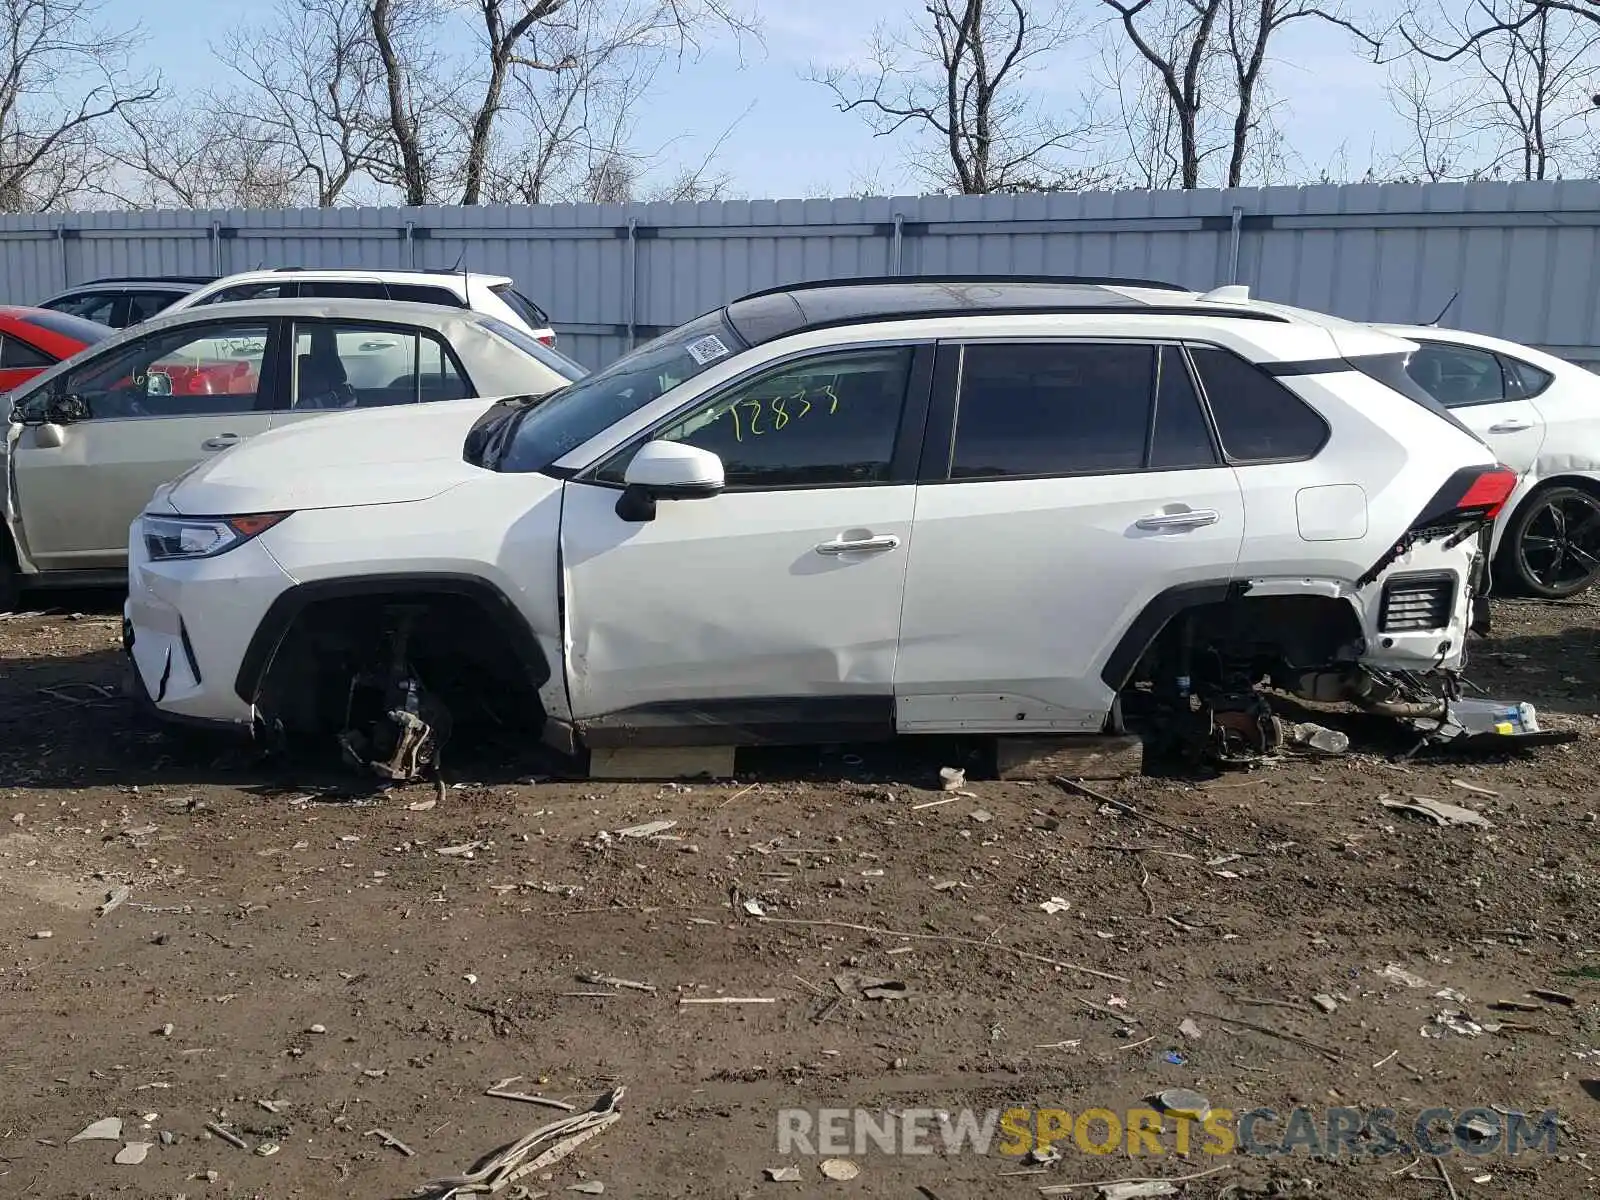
1137, 1191
1318, 738
589, 1187
952, 778
981, 816
1055, 905
1398, 974
1325, 1002
1437, 811
783, 1174
132, 1154
839, 1169
107, 1129
1183, 1102
43, 934
1189, 1029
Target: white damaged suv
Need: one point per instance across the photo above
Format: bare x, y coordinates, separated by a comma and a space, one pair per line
841, 510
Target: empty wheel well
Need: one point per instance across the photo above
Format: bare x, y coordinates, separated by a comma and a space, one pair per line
1257, 637
467, 646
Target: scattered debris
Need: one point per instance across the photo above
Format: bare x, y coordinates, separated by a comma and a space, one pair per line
166, 1030
981, 816
464, 850
1455, 1022
43, 935
648, 829
1325, 1002
1472, 787
115, 898
953, 778
1318, 738
727, 1000
1189, 1029
317, 1029
499, 1091
1173, 1058
1055, 905
612, 981
1553, 997
422, 805
1048, 1157
272, 1106
1478, 1128
132, 1154
838, 1169
267, 1149
560, 1138
1183, 1102
389, 1140
589, 1187
1436, 811
783, 1174
1397, 973
753, 907
1137, 1191
107, 1129
916, 807
1454, 995
227, 1135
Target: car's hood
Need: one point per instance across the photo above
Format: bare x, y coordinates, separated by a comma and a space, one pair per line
379, 456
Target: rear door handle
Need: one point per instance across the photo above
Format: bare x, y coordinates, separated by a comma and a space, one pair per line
1193, 519
1511, 427
871, 545
221, 442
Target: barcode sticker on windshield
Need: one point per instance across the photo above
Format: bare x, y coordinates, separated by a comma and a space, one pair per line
707, 349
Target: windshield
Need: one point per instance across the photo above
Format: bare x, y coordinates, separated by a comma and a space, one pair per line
534, 348
548, 430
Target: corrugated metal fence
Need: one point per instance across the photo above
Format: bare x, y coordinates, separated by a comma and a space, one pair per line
1522, 256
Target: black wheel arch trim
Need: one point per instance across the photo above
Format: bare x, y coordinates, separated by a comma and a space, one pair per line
1156, 616
288, 607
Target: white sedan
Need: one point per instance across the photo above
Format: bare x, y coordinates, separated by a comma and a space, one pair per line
1541, 417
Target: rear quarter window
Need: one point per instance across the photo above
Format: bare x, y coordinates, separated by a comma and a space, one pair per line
1257, 418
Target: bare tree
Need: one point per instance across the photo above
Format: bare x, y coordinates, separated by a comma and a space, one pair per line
184, 155
308, 87
1209, 58
62, 88
960, 76
1502, 88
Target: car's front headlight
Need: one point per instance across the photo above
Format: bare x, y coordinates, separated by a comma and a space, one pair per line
168, 538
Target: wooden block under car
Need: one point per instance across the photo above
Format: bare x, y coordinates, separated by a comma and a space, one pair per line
1081, 756
665, 762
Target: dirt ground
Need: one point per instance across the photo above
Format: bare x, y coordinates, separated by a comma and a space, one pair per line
292, 942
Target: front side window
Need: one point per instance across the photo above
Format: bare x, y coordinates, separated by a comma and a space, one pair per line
534, 436
1457, 376
249, 291
1060, 408
91, 306
345, 364
182, 372
1258, 419
825, 421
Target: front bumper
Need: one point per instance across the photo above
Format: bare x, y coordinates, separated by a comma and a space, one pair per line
186, 625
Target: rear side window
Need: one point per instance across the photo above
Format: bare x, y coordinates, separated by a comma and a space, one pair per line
144, 305
16, 353
522, 306
91, 306
1257, 418
1524, 380
1457, 376
344, 289
417, 293
1052, 409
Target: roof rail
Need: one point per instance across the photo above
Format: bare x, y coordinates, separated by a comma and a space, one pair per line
875, 280
148, 279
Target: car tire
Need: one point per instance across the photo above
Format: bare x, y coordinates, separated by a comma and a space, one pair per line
10, 578
1552, 545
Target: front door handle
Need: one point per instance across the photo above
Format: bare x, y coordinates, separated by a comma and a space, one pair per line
1511, 427
1193, 518
221, 442
871, 545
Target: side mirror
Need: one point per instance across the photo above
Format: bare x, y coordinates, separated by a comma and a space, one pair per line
667, 471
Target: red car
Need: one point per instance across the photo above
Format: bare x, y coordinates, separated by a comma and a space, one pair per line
36, 339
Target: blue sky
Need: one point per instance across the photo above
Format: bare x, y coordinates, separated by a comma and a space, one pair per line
792, 142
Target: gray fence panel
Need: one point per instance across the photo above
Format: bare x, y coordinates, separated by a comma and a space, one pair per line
1521, 260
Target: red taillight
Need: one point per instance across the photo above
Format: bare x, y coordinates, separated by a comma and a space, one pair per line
549, 339
1490, 491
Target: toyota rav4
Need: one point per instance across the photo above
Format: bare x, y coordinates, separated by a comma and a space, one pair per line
839, 510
